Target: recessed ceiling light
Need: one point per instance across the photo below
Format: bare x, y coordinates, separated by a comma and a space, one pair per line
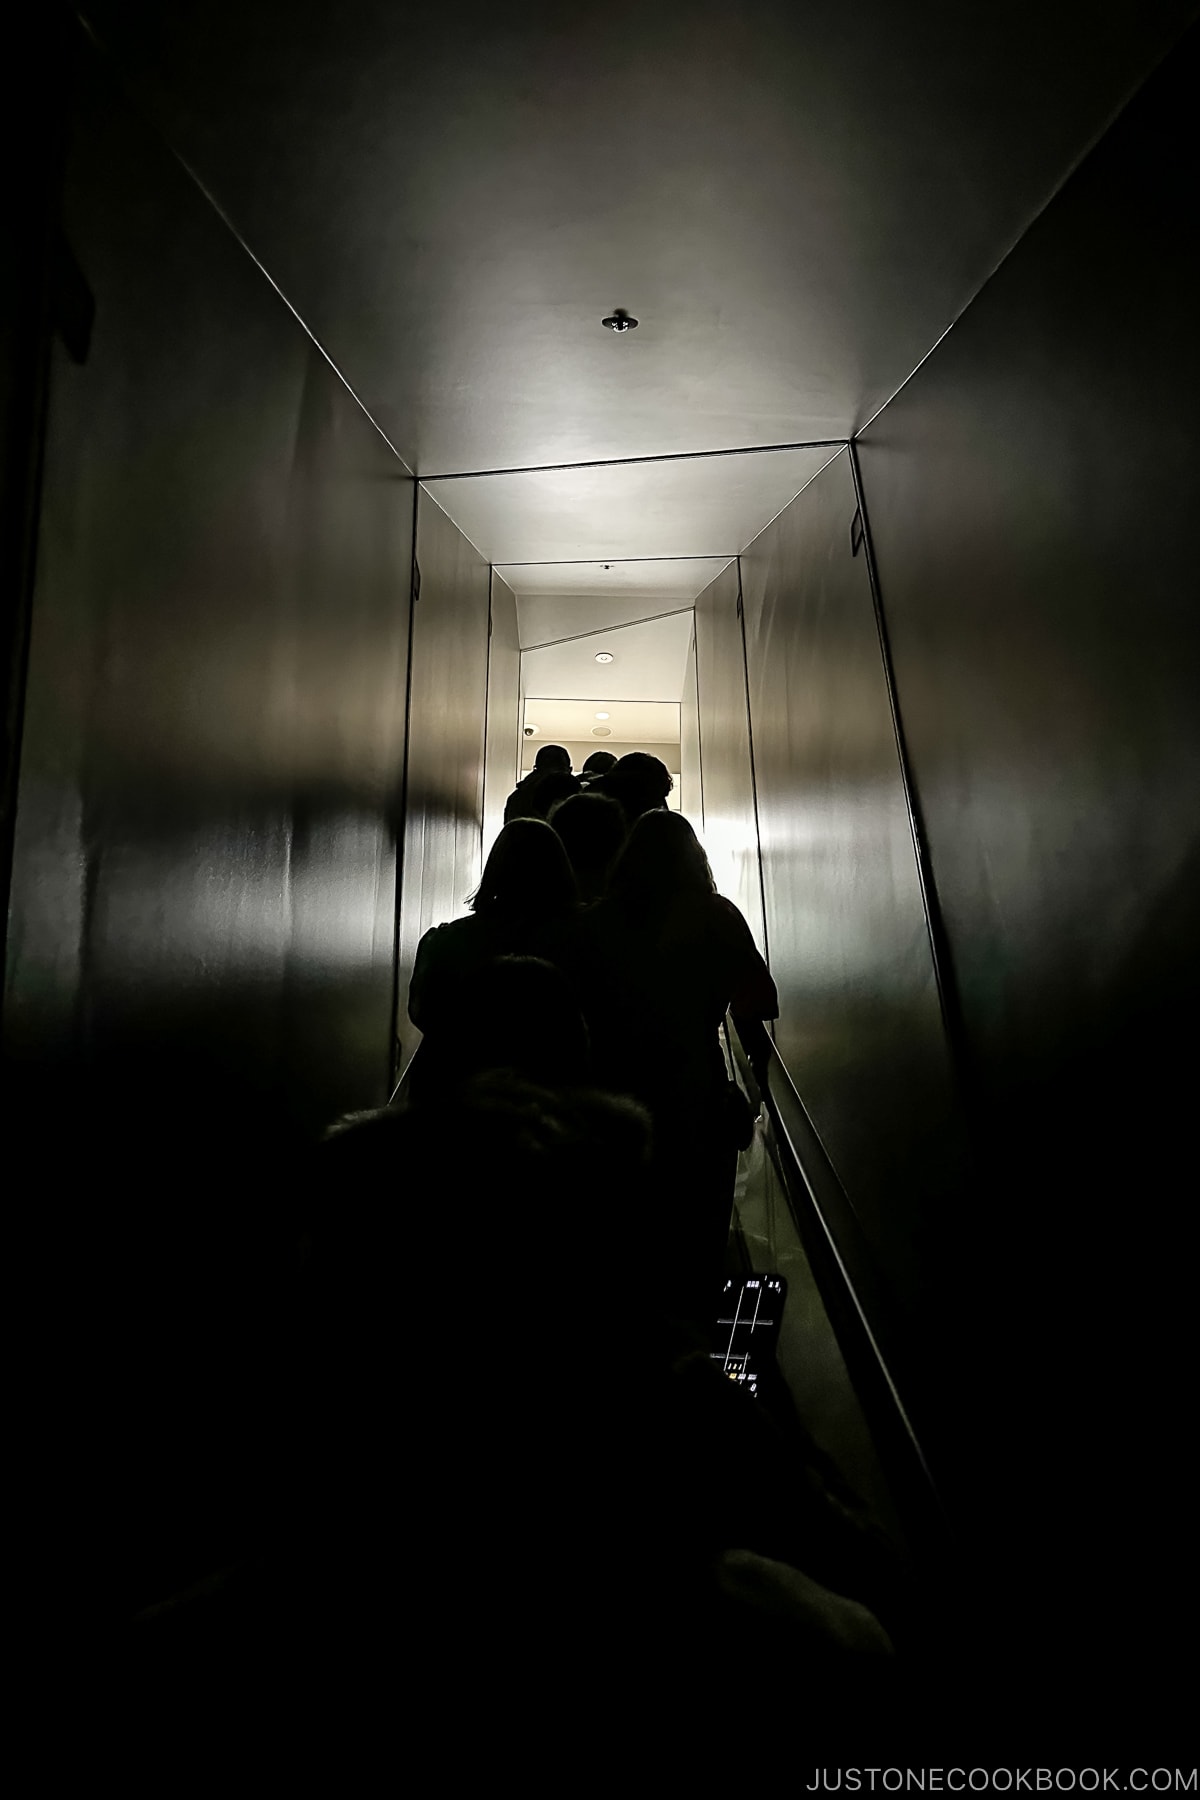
604, 656
601, 730
619, 321
602, 715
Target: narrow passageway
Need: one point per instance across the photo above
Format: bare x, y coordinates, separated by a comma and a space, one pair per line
331, 496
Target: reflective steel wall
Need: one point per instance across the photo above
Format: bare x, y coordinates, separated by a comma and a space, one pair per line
860, 1031
691, 799
501, 770
1031, 494
30, 256
206, 840
730, 830
447, 737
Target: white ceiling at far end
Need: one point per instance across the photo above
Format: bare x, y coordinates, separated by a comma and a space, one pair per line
635, 589
544, 619
667, 581
697, 508
648, 663
629, 722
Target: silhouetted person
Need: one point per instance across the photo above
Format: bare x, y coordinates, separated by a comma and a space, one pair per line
550, 779
673, 958
592, 828
553, 787
639, 783
525, 905
514, 1471
522, 1015
597, 764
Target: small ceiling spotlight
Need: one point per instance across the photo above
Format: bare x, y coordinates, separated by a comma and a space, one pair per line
531, 731
619, 321
603, 715
604, 656
601, 730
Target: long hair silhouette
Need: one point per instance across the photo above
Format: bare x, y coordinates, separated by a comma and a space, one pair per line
527, 873
662, 867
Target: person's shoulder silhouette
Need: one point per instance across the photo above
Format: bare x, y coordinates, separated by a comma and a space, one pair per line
639, 782
549, 780
599, 763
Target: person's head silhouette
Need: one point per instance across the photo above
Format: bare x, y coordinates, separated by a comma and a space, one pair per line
592, 827
662, 864
527, 873
639, 782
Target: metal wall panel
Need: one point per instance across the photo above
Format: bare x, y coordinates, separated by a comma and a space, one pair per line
1032, 501
202, 924
860, 1030
691, 793
443, 828
730, 826
1030, 495
205, 856
501, 766
31, 256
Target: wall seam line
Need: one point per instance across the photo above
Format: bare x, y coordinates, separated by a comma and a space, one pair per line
939, 946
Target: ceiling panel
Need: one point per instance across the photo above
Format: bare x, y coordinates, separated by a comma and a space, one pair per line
665, 582
708, 507
648, 664
795, 197
549, 618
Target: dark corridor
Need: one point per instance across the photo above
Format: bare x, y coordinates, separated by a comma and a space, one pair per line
939, 732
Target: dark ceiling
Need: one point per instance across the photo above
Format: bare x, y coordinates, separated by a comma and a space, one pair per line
796, 200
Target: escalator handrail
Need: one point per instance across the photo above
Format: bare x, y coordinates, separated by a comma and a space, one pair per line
824, 1221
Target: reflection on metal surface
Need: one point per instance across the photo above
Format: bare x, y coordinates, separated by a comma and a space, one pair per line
729, 833
691, 780
443, 838
939, 949
1034, 557
1031, 498
502, 752
859, 1032
215, 718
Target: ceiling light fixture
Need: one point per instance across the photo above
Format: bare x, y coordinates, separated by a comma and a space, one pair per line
619, 321
602, 715
604, 656
601, 730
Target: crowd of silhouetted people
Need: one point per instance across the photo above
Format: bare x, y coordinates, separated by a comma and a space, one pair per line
597, 951
519, 1495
